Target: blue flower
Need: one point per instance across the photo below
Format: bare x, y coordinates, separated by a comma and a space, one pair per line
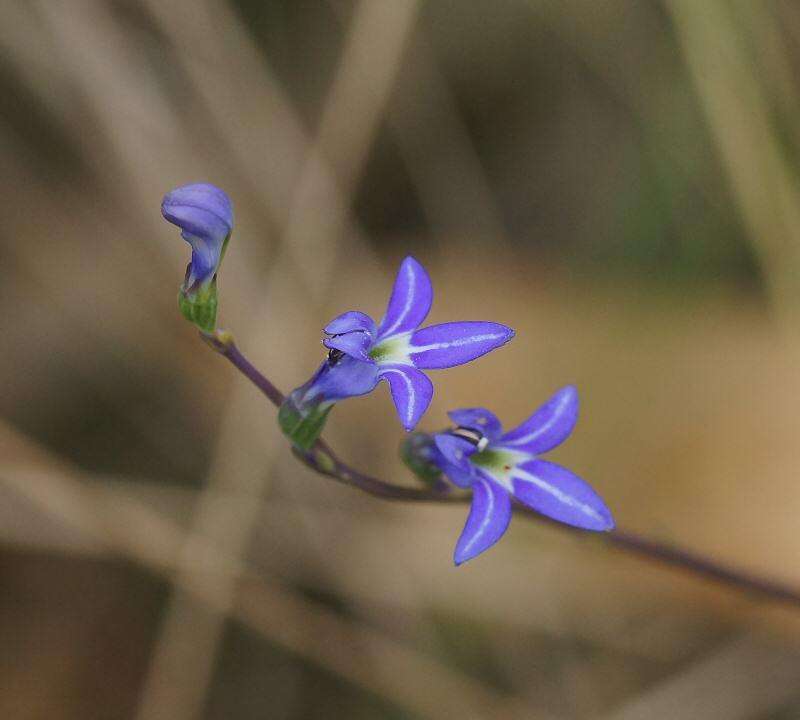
499, 466
362, 353
204, 214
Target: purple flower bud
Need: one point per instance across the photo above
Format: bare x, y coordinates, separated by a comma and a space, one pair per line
204, 214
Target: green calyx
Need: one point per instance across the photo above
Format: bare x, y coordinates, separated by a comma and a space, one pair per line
414, 452
303, 428
200, 307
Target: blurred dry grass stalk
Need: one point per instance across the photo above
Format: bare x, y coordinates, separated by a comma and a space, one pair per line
689, 428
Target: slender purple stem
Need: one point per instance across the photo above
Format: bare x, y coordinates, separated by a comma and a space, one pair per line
322, 459
223, 343
704, 566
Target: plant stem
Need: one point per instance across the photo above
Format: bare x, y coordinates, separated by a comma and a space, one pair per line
223, 343
322, 459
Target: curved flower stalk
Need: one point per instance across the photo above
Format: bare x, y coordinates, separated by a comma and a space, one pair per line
204, 214
362, 353
499, 466
476, 454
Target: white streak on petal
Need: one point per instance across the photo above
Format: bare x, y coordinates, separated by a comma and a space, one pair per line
554, 418
414, 349
487, 517
525, 476
409, 268
411, 394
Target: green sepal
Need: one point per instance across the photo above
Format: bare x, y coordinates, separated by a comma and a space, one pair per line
302, 428
200, 306
415, 450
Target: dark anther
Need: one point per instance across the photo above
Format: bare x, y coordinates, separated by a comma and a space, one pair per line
472, 436
334, 356
469, 434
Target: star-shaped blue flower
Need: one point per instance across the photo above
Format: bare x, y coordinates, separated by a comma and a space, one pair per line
362, 353
499, 466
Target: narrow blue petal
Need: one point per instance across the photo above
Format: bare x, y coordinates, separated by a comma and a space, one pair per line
410, 302
355, 344
456, 450
560, 494
206, 233
412, 392
462, 477
462, 474
206, 254
456, 343
346, 378
479, 419
548, 427
488, 520
349, 322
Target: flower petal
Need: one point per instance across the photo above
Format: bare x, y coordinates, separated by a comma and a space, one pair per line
479, 419
548, 427
355, 344
412, 392
456, 343
204, 214
349, 322
456, 450
206, 255
560, 494
488, 520
410, 302
197, 206
345, 378
463, 478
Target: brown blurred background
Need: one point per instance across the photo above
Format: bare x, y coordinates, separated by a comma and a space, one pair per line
616, 180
